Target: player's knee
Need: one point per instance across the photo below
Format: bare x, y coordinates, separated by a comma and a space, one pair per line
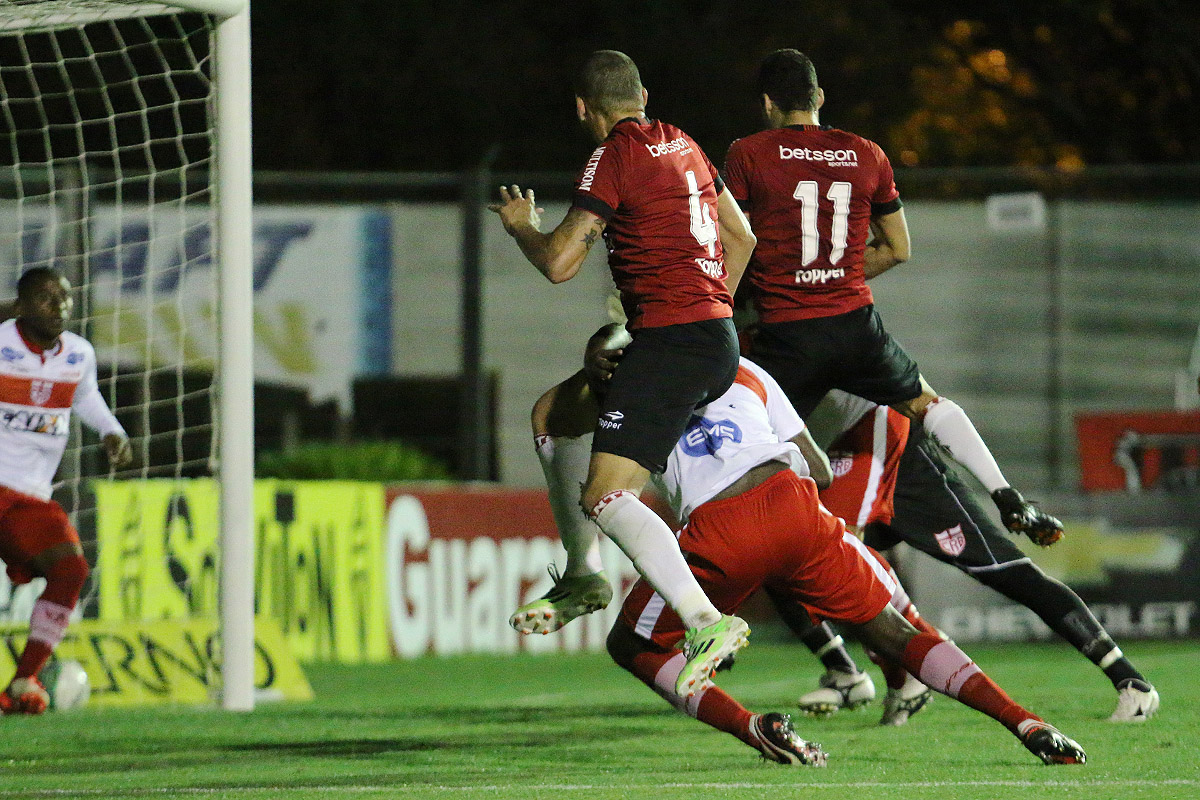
540, 416
620, 645
65, 579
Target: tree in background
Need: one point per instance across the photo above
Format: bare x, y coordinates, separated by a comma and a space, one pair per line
431, 84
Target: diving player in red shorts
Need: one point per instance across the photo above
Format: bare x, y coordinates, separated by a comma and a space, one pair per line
46, 372
738, 479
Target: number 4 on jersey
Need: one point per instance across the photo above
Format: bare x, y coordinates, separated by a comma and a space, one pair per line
703, 226
839, 194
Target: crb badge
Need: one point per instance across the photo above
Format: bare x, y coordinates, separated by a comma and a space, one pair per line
952, 541
40, 392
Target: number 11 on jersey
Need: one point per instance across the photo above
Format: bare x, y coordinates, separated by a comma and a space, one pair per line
839, 194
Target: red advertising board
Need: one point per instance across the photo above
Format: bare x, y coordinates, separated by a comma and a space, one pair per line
460, 559
1138, 450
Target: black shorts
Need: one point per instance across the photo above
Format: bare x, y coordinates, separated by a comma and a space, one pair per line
850, 351
937, 513
665, 374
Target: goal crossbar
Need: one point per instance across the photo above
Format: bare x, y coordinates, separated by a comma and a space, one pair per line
35, 15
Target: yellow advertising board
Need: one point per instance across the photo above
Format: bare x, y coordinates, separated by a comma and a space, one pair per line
142, 663
318, 559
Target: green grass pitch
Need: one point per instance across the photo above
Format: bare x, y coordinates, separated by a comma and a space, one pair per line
575, 726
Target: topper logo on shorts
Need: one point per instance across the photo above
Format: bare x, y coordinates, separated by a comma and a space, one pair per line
952, 541
611, 420
704, 437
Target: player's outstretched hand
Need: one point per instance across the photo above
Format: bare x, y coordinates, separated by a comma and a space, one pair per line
603, 351
516, 210
120, 454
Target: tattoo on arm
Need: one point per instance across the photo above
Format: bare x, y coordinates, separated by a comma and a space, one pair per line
592, 235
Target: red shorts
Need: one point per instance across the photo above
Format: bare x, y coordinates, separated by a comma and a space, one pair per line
28, 526
779, 535
864, 460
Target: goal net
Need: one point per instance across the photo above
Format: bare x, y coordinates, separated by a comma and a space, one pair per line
108, 172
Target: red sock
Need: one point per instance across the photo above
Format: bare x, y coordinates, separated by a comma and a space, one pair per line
946, 669
51, 613
712, 706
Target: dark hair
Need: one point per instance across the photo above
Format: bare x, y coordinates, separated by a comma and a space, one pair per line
789, 78
609, 81
33, 277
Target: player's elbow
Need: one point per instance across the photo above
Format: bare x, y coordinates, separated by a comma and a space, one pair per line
560, 270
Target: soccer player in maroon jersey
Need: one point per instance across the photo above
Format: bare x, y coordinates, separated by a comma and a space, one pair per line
678, 244
813, 195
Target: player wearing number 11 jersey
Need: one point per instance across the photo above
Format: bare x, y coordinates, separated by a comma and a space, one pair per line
813, 195
675, 236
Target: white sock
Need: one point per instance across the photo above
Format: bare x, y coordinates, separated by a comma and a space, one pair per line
647, 540
565, 464
949, 424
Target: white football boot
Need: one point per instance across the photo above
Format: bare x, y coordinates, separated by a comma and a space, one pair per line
838, 690
902, 703
1135, 704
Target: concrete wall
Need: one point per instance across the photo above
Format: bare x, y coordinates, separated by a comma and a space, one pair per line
972, 306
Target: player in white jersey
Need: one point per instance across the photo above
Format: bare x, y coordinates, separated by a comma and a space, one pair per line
753, 520
46, 372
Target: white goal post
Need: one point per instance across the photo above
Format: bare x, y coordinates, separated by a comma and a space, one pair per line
57, 202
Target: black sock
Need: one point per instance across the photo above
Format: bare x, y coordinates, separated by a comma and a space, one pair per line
828, 646
1066, 614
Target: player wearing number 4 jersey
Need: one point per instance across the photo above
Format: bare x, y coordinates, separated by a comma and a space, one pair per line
675, 236
813, 194
45, 374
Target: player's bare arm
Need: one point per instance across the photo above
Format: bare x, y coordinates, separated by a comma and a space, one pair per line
736, 238
891, 245
559, 254
818, 462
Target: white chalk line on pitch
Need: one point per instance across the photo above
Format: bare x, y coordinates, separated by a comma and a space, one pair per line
573, 787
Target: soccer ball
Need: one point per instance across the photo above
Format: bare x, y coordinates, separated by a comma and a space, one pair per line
67, 684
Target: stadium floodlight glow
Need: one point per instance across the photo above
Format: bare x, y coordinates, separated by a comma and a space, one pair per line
126, 163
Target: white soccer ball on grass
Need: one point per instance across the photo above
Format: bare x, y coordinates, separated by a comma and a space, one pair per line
67, 683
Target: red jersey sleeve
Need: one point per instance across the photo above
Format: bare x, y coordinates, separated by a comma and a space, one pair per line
736, 172
886, 198
598, 189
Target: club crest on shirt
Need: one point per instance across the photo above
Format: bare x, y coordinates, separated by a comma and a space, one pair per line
40, 391
841, 464
952, 541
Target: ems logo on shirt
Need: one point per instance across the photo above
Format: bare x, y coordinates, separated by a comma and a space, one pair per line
704, 438
951, 540
10, 354
40, 391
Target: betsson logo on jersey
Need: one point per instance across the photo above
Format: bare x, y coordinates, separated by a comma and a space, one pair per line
679, 145
589, 170
834, 158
